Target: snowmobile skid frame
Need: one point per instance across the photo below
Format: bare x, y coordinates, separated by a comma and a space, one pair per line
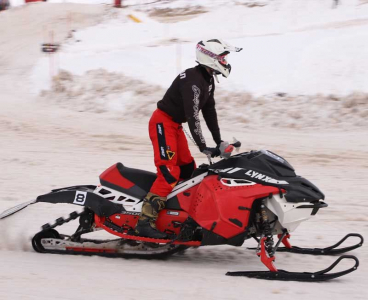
74, 244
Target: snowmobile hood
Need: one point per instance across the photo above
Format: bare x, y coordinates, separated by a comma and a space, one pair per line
267, 168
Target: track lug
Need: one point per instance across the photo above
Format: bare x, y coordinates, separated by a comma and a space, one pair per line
46, 226
74, 215
60, 221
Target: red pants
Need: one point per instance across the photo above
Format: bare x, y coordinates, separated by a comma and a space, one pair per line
172, 156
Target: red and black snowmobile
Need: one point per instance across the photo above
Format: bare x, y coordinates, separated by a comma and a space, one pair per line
250, 195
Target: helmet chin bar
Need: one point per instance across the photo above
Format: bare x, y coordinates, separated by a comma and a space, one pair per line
216, 72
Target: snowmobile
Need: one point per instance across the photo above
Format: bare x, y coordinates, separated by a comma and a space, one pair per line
251, 195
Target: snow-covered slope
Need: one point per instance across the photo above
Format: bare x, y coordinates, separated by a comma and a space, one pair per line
302, 55
285, 49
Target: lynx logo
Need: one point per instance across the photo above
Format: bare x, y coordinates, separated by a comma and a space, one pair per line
264, 178
159, 129
252, 174
183, 75
80, 198
210, 88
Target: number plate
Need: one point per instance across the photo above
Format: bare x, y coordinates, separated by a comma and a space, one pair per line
80, 198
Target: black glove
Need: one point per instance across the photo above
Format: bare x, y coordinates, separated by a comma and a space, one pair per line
213, 152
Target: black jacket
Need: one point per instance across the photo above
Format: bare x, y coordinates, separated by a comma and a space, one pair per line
190, 92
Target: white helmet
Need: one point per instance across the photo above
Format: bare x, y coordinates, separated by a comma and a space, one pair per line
212, 54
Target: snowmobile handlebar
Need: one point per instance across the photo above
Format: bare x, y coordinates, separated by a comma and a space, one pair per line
237, 144
225, 149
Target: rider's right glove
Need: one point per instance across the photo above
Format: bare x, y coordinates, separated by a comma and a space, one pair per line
213, 152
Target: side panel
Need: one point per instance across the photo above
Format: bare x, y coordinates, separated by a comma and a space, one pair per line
185, 198
225, 209
168, 220
290, 215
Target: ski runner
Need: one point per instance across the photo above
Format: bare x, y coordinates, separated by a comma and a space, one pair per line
191, 91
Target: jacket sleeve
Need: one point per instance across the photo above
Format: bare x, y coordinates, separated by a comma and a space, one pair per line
210, 116
191, 93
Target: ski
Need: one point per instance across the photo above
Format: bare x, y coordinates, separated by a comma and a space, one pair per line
332, 250
322, 275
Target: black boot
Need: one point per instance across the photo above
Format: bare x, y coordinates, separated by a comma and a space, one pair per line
146, 227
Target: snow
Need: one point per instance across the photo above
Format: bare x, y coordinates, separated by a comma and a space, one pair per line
15, 3
326, 54
95, 113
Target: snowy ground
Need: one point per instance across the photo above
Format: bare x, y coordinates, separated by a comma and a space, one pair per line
70, 135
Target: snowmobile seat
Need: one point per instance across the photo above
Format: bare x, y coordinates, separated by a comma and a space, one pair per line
143, 181
141, 178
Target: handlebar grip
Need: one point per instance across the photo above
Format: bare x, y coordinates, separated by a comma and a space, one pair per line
237, 144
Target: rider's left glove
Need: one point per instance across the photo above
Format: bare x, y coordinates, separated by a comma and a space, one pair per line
212, 152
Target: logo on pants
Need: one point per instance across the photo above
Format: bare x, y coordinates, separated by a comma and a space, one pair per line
161, 140
170, 154
163, 152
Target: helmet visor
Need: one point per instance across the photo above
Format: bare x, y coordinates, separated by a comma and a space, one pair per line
222, 59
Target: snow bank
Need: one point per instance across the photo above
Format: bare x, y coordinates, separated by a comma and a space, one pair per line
296, 71
101, 91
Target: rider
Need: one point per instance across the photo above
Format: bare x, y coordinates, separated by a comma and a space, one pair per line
190, 92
